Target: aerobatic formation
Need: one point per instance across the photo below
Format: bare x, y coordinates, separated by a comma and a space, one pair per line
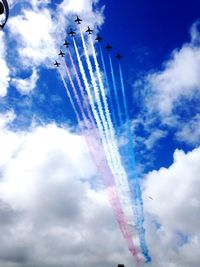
97, 95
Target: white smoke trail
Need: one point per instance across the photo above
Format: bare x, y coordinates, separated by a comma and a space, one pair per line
95, 113
122, 179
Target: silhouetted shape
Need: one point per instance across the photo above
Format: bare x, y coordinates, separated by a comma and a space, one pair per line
121, 265
78, 20
61, 54
4, 9
72, 33
57, 64
108, 47
89, 31
66, 44
1, 8
118, 56
98, 38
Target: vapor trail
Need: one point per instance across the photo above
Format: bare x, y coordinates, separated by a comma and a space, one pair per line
70, 98
133, 179
82, 91
75, 91
121, 176
101, 122
107, 175
92, 104
115, 91
108, 87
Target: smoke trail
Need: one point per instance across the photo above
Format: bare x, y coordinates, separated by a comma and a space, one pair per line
94, 111
75, 92
82, 91
108, 87
101, 125
109, 183
134, 182
122, 223
70, 97
121, 175
115, 91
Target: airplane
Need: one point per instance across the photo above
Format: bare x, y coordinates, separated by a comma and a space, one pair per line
108, 47
66, 44
98, 38
57, 64
150, 198
61, 54
78, 20
72, 33
118, 56
89, 31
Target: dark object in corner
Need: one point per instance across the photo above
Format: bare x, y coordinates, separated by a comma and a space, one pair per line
4, 9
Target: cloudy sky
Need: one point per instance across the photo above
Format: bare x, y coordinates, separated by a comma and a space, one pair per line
52, 210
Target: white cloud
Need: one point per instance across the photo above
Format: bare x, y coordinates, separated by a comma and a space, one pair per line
34, 34
190, 131
46, 195
195, 36
26, 85
175, 209
50, 215
6, 118
168, 96
39, 32
180, 78
4, 73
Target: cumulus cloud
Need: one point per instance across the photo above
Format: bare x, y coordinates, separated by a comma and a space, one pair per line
37, 32
180, 78
40, 31
50, 214
33, 32
170, 95
173, 214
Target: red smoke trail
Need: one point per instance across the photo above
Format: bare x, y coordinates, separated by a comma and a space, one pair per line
107, 178
106, 174
82, 92
75, 93
70, 98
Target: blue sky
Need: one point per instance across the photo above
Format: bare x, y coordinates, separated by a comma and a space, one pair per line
160, 44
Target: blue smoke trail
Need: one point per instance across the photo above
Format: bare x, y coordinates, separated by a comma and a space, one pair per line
133, 177
108, 87
115, 91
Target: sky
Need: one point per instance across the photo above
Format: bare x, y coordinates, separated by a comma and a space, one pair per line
53, 212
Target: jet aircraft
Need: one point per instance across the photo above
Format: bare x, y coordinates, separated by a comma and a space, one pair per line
57, 64
89, 31
78, 20
118, 56
72, 33
61, 54
66, 44
98, 38
108, 47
